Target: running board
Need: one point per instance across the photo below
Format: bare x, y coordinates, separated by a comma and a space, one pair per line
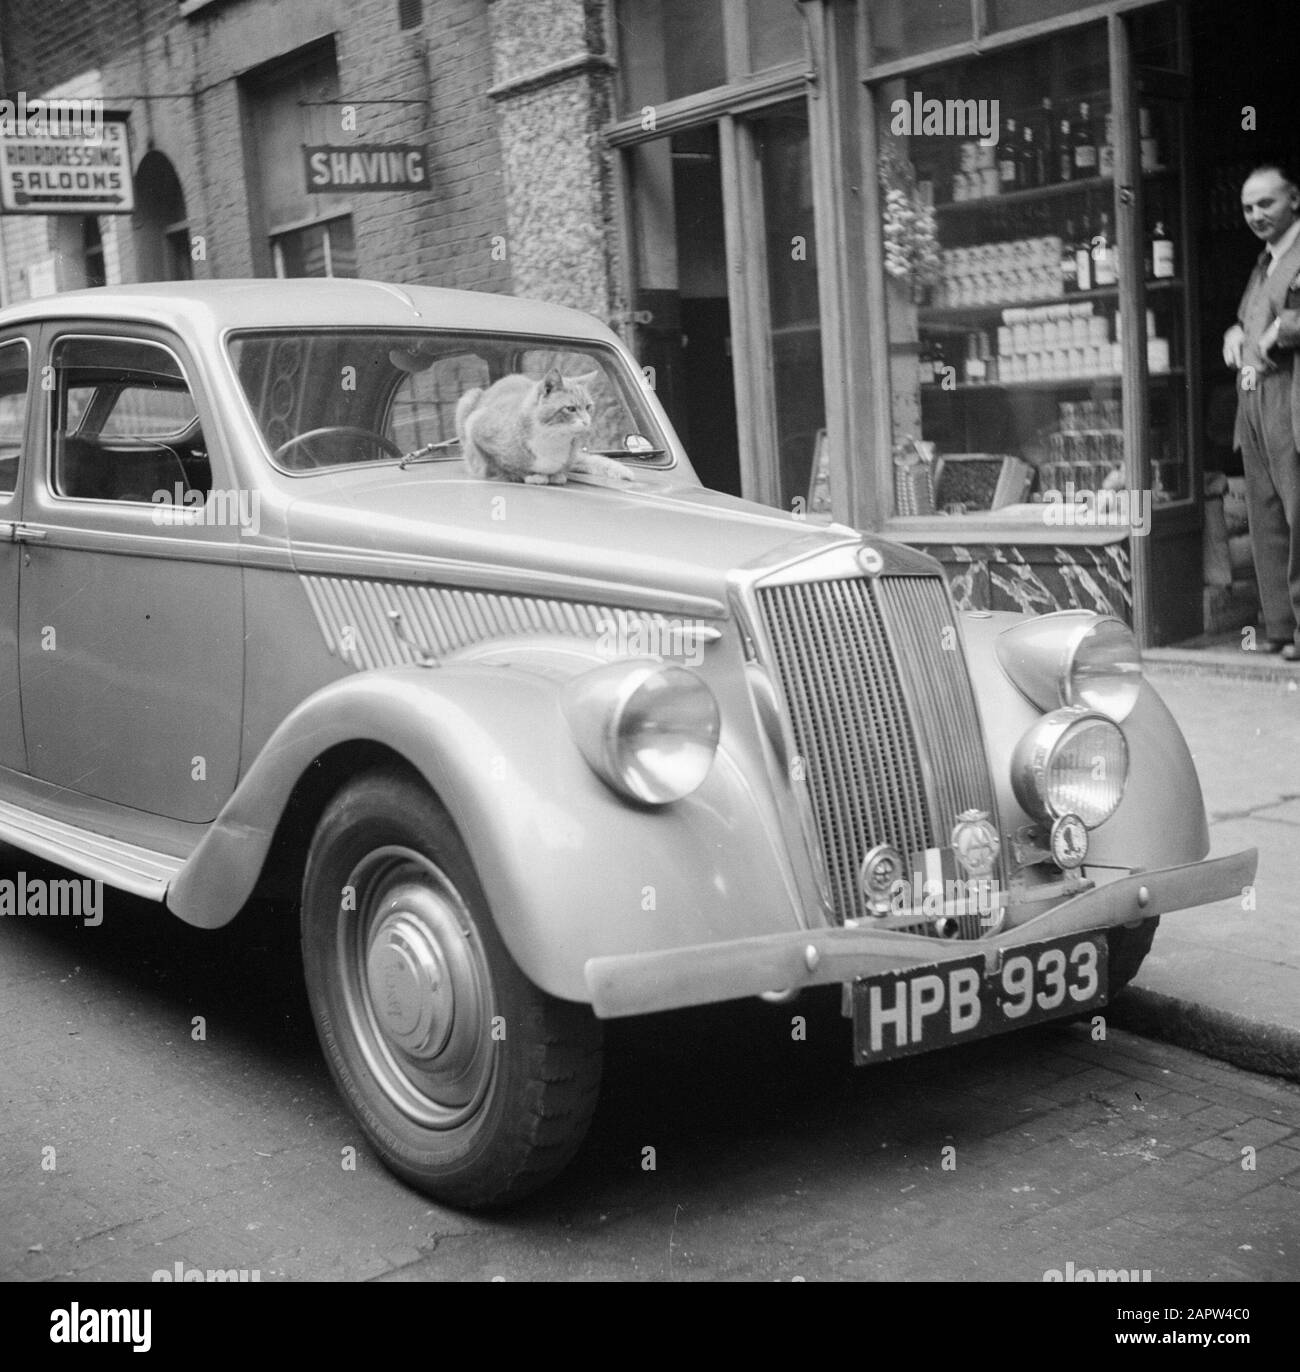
124, 866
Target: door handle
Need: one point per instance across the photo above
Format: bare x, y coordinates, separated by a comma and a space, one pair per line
28, 533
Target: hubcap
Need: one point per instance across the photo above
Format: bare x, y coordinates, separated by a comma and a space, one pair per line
416, 987
412, 996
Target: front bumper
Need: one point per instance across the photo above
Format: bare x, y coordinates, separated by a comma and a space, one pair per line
640, 983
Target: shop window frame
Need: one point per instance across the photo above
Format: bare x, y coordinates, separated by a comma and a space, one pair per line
1180, 516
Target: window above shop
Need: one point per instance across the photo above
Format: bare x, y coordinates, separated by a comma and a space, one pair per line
899, 30
670, 50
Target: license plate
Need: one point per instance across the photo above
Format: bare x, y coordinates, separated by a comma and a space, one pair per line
900, 1013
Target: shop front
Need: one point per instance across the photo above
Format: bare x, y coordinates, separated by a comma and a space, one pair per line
956, 271
1035, 380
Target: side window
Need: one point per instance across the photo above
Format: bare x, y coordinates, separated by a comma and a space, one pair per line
14, 368
125, 425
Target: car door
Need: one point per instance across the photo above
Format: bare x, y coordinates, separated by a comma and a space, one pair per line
131, 611
15, 374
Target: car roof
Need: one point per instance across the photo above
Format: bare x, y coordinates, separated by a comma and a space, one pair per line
261, 302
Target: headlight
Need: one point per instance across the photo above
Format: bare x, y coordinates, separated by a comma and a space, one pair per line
1073, 761
648, 730
1074, 657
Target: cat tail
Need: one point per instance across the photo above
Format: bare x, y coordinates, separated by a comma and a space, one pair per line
475, 460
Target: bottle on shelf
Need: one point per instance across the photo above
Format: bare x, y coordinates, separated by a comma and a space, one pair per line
1064, 149
1048, 168
1163, 265
1106, 154
1104, 269
1083, 145
1030, 168
1149, 145
1008, 159
938, 362
1069, 266
976, 368
1083, 258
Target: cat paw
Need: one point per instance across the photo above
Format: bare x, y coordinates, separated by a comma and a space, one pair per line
537, 479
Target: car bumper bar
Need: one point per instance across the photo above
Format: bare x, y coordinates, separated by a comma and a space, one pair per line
640, 983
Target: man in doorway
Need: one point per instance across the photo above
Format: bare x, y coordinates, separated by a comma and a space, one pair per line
1261, 347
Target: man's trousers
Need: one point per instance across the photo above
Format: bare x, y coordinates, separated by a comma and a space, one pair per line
1272, 468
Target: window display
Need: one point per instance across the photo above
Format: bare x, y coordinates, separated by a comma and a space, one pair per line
1004, 269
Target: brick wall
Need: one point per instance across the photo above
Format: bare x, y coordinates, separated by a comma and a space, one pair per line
443, 236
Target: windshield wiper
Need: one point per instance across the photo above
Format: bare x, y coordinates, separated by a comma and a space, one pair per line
429, 453
625, 453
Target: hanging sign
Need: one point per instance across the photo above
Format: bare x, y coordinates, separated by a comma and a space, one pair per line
49, 166
365, 167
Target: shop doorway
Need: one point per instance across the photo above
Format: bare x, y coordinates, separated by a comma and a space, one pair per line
682, 311
726, 301
1241, 116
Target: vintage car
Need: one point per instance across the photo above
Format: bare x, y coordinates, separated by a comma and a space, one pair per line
531, 756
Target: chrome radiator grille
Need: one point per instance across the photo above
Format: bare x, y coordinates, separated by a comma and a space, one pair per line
882, 712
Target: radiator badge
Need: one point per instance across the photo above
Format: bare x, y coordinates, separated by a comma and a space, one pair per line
879, 875
870, 560
975, 842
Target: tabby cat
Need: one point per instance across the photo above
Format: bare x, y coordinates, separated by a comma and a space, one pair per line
519, 429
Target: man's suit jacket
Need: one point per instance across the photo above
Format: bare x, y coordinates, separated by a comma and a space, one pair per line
1276, 296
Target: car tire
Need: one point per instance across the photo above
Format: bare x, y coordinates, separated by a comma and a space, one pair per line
472, 1084
1128, 949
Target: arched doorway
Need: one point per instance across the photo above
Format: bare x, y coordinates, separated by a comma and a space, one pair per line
160, 225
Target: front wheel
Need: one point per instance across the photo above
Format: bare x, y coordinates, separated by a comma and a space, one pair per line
471, 1083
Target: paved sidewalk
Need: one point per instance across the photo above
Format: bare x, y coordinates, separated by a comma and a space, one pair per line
1221, 979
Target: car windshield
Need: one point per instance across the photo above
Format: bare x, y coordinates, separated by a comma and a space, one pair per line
327, 398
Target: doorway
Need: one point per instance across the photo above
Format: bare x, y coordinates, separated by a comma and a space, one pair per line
682, 311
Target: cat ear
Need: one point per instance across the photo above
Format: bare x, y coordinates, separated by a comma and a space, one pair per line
552, 381
587, 379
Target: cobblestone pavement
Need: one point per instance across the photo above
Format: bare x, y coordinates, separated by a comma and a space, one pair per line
772, 1158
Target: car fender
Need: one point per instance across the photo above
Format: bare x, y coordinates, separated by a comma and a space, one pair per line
1161, 820
570, 870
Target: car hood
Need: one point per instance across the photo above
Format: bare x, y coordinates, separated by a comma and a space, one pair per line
680, 542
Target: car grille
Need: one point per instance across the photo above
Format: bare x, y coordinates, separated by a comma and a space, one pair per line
883, 714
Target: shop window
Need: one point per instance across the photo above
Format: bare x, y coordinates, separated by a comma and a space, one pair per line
325, 249
902, 28
1002, 271
775, 33
670, 49
1010, 14
794, 313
